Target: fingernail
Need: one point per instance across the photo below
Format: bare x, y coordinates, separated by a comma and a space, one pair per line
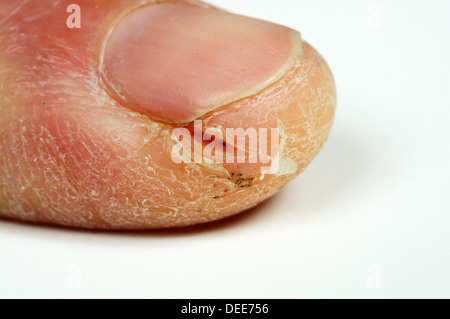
180, 61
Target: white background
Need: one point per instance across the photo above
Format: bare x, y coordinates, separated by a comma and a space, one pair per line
369, 218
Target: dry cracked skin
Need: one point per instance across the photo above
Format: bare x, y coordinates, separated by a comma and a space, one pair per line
87, 114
